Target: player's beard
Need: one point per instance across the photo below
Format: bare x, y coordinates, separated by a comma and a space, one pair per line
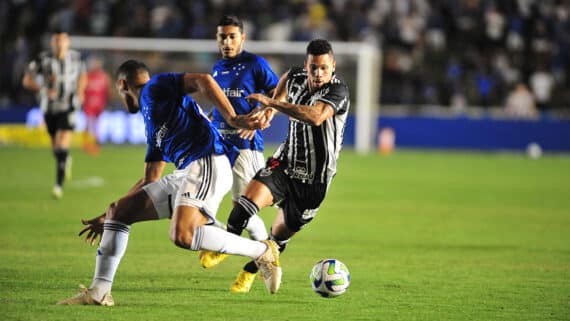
131, 106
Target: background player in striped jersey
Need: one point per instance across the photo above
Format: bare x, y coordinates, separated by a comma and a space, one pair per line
177, 131
60, 78
298, 175
240, 73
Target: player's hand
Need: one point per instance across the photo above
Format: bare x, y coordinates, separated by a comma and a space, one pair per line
52, 94
94, 227
248, 122
253, 120
260, 98
268, 114
246, 133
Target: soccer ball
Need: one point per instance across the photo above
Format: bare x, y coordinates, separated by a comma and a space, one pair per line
329, 278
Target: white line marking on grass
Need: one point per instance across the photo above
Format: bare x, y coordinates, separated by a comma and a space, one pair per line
88, 182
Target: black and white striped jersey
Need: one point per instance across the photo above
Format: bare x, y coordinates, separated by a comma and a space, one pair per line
61, 75
311, 152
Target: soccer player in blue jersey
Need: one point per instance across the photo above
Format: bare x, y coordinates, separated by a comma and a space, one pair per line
177, 131
240, 73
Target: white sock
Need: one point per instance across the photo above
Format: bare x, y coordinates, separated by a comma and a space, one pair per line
215, 239
109, 254
256, 228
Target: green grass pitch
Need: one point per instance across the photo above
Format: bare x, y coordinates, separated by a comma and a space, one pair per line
426, 236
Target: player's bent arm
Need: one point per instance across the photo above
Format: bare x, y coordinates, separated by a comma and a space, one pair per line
280, 92
29, 83
315, 115
207, 86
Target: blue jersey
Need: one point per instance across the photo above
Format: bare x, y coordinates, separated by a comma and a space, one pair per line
239, 77
177, 130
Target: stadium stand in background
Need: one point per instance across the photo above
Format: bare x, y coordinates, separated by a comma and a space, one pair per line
451, 70
453, 53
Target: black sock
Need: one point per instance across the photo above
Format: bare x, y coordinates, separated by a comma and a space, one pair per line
250, 267
240, 215
61, 160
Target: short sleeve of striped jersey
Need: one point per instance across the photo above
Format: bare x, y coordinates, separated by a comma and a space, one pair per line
337, 97
35, 66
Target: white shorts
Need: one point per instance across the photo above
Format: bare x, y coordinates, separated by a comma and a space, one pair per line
246, 166
202, 184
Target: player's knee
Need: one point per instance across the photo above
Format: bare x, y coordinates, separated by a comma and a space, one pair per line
112, 212
116, 212
181, 237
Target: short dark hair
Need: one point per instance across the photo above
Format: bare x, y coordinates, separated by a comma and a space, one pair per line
319, 47
130, 68
231, 20
57, 31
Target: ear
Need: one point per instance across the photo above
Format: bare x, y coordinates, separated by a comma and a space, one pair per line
121, 85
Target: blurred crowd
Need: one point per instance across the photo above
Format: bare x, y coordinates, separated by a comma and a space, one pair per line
454, 53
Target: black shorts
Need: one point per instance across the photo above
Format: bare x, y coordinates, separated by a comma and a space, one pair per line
59, 121
299, 201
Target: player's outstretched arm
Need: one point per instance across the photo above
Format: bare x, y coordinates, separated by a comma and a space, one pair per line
207, 86
314, 115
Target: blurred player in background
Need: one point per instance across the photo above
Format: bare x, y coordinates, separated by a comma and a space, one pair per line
59, 77
177, 131
240, 73
97, 94
298, 175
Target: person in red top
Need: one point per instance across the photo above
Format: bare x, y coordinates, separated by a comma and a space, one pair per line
96, 95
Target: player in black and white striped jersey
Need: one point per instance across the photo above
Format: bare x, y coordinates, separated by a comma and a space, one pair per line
59, 77
298, 175
312, 146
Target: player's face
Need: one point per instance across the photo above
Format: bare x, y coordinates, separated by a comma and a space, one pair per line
129, 92
60, 44
230, 41
320, 69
